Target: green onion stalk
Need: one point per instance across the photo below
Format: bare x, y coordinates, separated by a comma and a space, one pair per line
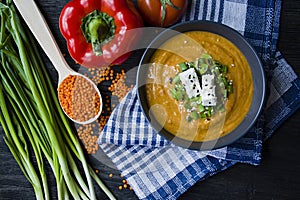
32, 118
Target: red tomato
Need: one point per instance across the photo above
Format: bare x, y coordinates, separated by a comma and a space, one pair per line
162, 12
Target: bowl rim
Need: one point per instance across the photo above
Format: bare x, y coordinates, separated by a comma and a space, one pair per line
258, 76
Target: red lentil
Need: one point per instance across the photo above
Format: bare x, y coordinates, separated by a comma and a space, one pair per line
119, 87
89, 134
78, 98
89, 140
124, 181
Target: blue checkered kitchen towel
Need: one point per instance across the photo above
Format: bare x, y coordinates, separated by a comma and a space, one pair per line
157, 169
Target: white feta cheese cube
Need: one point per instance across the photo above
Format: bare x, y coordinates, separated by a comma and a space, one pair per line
209, 102
209, 97
208, 80
190, 82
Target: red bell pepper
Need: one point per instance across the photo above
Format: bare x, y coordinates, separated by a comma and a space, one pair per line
97, 31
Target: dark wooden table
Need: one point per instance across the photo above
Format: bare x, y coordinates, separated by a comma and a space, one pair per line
277, 177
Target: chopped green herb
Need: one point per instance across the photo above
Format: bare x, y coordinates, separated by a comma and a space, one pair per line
230, 88
187, 105
189, 118
222, 68
201, 108
194, 115
203, 68
203, 115
176, 79
224, 81
216, 70
183, 66
225, 93
204, 55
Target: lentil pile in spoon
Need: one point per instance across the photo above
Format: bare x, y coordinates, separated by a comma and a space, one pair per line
79, 99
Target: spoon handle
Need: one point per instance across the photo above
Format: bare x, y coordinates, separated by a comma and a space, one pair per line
40, 29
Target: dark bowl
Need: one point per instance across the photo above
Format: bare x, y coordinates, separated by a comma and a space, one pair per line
257, 75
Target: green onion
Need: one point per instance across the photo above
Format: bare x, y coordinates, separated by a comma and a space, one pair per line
205, 55
178, 92
225, 93
189, 118
203, 68
183, 66
197, 63
209, 111
216, 70
201, 108
194, 115
173, 93
197, 99
230, 88
31, 116
176, 79
187, 105
225, 81
203, 115
222, 68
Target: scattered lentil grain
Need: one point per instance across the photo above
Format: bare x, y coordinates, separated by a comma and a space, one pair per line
117, 87
89, 140
124, 181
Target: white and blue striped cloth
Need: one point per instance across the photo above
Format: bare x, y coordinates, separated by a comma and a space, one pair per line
157, 169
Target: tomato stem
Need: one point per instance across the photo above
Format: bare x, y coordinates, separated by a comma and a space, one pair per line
164, 9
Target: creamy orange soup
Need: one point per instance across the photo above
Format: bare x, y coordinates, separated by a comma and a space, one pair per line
170, 113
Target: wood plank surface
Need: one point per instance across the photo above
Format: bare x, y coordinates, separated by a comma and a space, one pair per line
277, 177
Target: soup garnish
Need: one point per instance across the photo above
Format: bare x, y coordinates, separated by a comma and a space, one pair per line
202, 87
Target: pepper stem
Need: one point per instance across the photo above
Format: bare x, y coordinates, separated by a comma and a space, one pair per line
98, 29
